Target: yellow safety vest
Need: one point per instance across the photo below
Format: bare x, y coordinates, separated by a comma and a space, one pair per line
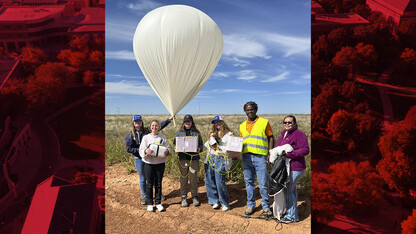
256, 142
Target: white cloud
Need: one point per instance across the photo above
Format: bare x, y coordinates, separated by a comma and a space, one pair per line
226, 90
219, 75
120, 55
239, 62
130, 88
306, 76
119, 76
240, 46
290, 45
246, 75
120, 31
291, 92
282, 76
238, 91
143, 6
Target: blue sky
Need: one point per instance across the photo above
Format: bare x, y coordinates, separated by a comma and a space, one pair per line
266, 58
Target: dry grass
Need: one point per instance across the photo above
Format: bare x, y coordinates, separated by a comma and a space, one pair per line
118, 126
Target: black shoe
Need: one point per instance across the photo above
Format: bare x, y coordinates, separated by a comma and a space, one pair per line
163, 198
285, 220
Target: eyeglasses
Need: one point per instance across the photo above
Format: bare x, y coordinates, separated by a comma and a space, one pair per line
290, 122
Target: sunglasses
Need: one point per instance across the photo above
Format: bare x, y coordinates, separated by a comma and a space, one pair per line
290, 122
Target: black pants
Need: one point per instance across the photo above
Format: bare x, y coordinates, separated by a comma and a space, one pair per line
154, 175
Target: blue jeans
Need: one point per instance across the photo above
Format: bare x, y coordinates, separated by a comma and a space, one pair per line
215, 181
254, 164
139, 164
291, 195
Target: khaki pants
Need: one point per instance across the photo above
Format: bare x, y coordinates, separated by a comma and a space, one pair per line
191, 172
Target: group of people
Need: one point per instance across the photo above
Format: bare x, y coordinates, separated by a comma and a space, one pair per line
258, 139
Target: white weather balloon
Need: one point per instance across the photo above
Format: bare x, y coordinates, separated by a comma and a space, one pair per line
177, 48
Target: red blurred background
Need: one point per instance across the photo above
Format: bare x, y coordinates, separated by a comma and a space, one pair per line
52, 116
363, 116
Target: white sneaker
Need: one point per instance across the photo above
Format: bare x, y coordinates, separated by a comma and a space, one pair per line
160, 208
224, 208
150, 208
216, 206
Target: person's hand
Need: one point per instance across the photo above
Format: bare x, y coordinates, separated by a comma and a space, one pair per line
172, 117
198, 150
166, 152
213, 147
149, 151
268, 158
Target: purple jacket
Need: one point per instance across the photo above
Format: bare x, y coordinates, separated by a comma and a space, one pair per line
299, 142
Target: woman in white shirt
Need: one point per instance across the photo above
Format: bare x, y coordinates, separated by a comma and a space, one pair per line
153, 150
217, 164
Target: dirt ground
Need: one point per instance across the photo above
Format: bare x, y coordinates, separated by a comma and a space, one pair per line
125, 214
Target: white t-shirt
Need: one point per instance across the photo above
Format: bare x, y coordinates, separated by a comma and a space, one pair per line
222, 149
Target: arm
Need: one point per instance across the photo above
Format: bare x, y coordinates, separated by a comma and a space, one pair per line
164, 123
166, 143
301, 147
200, 144
222, 149
143, 150
271, 141
130, 148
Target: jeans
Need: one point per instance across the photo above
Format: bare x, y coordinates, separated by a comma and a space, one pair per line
139, 164
154, 175
189, 168
254, 164
215, 181
291, 195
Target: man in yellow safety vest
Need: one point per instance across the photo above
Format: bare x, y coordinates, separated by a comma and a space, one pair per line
257, 140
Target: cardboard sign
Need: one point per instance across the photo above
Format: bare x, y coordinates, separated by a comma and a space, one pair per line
234, 147
186, 144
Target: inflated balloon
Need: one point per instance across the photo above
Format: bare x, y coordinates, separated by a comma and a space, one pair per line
177, 48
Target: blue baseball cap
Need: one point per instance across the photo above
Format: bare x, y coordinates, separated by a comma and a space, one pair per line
217, 118
137, 117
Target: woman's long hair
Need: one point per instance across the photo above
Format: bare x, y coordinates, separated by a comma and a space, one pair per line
193, 127
224, 129
142, 128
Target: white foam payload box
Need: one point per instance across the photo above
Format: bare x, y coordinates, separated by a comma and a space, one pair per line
234, 147
186, 144
158, 150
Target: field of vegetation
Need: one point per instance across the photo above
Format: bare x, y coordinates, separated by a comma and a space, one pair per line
118, 126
